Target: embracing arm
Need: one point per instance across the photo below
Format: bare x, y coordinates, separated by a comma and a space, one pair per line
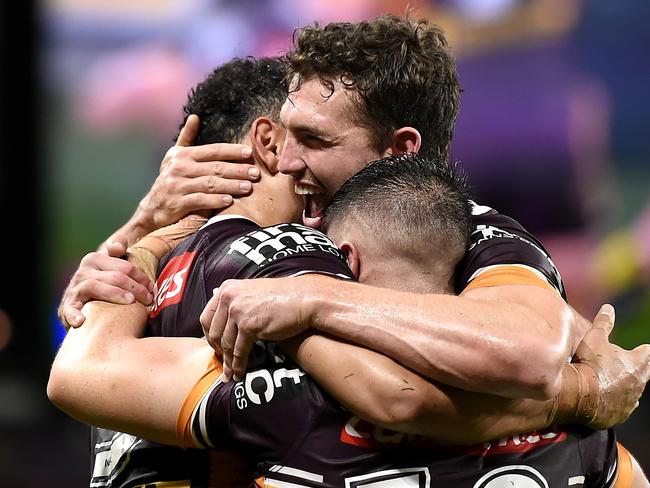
600, 392
476, 342
93, 376
513, 346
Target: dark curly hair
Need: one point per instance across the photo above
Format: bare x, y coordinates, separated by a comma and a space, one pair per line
403, 71
234, 95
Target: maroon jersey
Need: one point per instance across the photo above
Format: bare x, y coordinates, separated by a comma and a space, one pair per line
496, 239
226, 247
300, 437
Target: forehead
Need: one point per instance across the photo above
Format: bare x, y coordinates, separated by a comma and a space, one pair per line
313, 103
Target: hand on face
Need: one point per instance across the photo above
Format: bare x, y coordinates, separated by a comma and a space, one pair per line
244, 311
196, 178
622, 375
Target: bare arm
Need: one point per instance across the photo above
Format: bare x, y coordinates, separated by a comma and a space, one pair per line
480, 341
105, 374
378, 390
476, 342
383, 392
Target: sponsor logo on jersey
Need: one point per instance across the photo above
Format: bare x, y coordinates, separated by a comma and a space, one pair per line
261, 386
171, 282
360, 433
520, 476
267, 245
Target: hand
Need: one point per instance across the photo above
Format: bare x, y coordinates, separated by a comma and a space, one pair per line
195, 178
103, 276
243, 311
622, 375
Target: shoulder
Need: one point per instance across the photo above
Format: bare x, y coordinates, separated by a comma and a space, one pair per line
497, 240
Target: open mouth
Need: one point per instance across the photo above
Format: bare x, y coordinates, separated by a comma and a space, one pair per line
312, 215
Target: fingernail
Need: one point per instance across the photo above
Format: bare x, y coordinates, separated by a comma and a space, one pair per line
245, 185
227, 199
77, 319
150, 286
253, 172
607, 309
246, 151
236, 377
149, 298
128, 297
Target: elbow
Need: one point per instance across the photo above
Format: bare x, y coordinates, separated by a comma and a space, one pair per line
400, 412
61, 389
56, 386
540, 366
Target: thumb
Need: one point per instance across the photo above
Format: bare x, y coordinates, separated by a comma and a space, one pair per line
605, 319
116, 247
190, 130
643, 354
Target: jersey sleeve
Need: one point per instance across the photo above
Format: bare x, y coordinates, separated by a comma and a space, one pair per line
265, 413
499, 245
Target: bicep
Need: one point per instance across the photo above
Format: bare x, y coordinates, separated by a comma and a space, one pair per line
134, 385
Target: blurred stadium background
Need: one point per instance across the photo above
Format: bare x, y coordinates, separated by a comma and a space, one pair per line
554, 129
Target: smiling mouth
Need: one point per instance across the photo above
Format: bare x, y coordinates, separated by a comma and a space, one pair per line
312, 215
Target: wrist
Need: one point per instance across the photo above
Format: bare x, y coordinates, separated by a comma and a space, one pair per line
577, 401
318, 300
144, 259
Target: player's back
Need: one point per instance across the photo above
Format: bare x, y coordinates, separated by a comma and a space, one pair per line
299, 436
226, 247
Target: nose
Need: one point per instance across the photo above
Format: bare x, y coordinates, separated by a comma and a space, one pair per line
290, 161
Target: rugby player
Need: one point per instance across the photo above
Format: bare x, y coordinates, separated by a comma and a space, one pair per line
463, 353
289, 428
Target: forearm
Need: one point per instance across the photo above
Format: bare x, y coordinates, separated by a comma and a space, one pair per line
378, 390
472, 344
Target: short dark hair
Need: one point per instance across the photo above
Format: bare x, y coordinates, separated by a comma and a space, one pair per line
415, 204
234, 95
403, 71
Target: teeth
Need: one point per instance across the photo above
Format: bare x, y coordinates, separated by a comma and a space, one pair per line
304, 191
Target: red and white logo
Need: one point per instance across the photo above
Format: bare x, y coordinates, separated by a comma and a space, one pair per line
171, 282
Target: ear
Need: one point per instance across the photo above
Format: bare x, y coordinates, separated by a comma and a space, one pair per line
404, 140
352, 255
267, 139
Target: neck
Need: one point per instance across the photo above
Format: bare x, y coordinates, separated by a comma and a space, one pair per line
409, 275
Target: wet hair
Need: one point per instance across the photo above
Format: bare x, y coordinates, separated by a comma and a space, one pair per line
402, 73
234, 95
417, 206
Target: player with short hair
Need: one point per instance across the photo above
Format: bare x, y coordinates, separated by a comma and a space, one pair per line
285, 424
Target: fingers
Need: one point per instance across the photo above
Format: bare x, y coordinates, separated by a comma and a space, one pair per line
605, 319
70, 314
240, 352
208, 313
118, 273
642, 353
116, 247
223, 169
227, 345
215, 185
214, 319
188, 133
220, 151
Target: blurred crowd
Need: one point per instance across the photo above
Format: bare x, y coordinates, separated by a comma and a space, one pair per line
553, 130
